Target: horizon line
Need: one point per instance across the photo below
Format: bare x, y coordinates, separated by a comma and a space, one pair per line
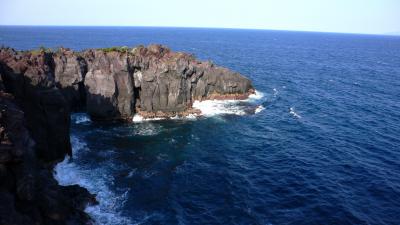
395, 33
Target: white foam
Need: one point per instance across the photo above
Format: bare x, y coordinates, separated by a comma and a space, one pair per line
292, 112
80, 118
276, 92
217, 107
176, 117
188, 117
138, 118
256, 96
191, 117
96, 181
259, 109
147, 129
210, 108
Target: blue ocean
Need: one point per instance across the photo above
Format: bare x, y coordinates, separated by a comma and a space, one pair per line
322, 148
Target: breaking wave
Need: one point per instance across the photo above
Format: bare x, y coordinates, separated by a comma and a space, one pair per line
216, 107
80, 118
138, 118
256, 96
96, 181
210, 108
259, 109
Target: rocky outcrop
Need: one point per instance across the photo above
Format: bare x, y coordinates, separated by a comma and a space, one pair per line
168, 83
28, 192
39, 89
69, 73
30, 78
116, 83
109, 85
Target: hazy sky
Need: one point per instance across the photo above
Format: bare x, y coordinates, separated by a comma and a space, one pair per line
353, 16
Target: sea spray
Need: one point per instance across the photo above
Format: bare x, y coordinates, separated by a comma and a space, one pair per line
96, 181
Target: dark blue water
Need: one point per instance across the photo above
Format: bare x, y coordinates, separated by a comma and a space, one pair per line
325, 150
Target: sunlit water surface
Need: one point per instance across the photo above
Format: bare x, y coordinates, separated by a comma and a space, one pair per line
320, 146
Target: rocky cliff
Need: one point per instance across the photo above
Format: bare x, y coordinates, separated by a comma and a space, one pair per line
40, 88
28, 192
116, 83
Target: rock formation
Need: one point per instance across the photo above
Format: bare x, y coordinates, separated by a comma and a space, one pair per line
39, 89
28, 192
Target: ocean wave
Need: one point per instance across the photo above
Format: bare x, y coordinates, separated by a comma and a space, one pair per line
217, 107
188, 117
211, 108
276, 92
96, 182
259, 109
147, 129
254, 97
294, 113
80, 118
138, 118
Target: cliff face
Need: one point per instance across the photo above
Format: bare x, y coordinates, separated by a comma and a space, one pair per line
28, 192
30, 78
168, 83
116, 84
39, 89
152, 81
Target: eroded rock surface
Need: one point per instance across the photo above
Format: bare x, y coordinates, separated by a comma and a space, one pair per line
31, 79
116, 84
38, 91
28, 192
170, 82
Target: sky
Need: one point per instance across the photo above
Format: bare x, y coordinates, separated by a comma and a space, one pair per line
345, 16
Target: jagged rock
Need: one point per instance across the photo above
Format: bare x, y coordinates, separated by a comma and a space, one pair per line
70, 70
170, 82
30, 78
119, 82
109, 84
28, 192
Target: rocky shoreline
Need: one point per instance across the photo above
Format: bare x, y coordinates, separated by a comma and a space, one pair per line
39, 89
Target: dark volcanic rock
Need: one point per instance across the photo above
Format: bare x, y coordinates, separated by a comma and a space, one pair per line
38, 90
116, 83
109, 85
70, 70
28, 192
170, 82
30, 78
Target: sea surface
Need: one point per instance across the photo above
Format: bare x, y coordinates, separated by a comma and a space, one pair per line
322, 146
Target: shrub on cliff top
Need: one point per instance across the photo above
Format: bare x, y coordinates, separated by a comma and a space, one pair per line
115, 49
41, 49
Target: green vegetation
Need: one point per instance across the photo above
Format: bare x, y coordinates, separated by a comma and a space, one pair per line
41, 49
115, 49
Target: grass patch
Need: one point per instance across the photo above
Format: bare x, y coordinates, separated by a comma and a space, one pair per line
115, 49
41, 49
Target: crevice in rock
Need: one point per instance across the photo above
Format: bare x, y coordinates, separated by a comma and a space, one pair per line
137, 92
